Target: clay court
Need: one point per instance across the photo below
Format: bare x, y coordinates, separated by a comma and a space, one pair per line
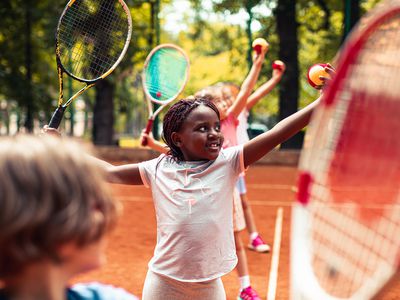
270, 187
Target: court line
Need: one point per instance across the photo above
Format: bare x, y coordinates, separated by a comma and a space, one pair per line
273, 274
270, 186
253, 202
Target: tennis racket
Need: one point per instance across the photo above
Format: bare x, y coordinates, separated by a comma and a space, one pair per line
346, 222
164, 76
91, 40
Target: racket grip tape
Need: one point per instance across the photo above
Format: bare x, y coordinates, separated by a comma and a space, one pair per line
57, 117
147, 131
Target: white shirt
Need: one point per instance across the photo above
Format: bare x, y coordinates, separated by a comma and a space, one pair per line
193, 203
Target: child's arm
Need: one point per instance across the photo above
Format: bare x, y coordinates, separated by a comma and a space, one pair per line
248, 84
265, 88
129, 174
256, 148
124, 174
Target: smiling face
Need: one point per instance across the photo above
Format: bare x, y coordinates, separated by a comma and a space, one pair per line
200, 137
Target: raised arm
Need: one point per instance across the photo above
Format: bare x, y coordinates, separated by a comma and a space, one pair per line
248, 84
265, 88
256, 148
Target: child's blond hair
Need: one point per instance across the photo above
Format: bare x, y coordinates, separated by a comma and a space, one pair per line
51, 194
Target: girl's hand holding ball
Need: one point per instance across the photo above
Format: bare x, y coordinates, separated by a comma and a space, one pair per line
260, 44
319, 74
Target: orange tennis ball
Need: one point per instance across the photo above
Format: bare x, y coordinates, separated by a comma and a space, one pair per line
278, 65
260, 44
313, 74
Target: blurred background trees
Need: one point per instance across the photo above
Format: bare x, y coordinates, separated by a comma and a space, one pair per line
216, 34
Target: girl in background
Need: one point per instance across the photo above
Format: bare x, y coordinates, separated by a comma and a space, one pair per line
230, 92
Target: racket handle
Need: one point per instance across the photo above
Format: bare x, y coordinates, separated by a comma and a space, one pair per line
57, 117
147, 131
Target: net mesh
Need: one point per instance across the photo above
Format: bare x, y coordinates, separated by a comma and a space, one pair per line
165, 73
91, 37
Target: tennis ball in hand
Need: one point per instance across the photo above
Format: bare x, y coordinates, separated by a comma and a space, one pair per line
260, 44
278, 65
313, 74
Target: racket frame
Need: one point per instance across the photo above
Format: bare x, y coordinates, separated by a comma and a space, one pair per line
59, 112
301, 220
149, 98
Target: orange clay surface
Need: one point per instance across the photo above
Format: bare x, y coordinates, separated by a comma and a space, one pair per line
131, 244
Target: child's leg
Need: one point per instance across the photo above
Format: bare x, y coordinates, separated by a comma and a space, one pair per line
248, 214
246, 291
158, 287
241, 267
256, 242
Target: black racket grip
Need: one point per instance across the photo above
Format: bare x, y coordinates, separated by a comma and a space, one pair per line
57, 117
147, 131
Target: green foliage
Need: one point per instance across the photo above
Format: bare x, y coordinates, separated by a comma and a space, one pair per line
14, 40
217, 50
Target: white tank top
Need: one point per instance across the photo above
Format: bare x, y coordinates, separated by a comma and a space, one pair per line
193, 203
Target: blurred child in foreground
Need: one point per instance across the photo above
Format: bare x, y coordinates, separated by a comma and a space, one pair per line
55, 212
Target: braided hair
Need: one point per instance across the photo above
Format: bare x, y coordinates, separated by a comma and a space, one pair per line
177, 115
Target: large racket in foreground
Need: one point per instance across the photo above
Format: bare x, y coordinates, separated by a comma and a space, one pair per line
91, 40
346, 224
164, 76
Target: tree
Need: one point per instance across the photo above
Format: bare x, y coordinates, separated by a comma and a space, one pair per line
27, 56
351, 14
286, 25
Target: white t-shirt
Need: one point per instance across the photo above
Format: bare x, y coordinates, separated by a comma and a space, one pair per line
241, 129
193, 204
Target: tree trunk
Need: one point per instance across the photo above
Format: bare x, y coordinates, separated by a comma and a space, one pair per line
351, 15
28, 63
103, 114
285, 13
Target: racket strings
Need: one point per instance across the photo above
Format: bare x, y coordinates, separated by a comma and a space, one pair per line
165, 73
92, 36
345, 256
353, 154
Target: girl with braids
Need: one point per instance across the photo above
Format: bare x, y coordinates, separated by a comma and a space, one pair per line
229, 109
192, 190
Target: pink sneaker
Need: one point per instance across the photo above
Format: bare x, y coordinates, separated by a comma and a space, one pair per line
258, 245
248, 294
